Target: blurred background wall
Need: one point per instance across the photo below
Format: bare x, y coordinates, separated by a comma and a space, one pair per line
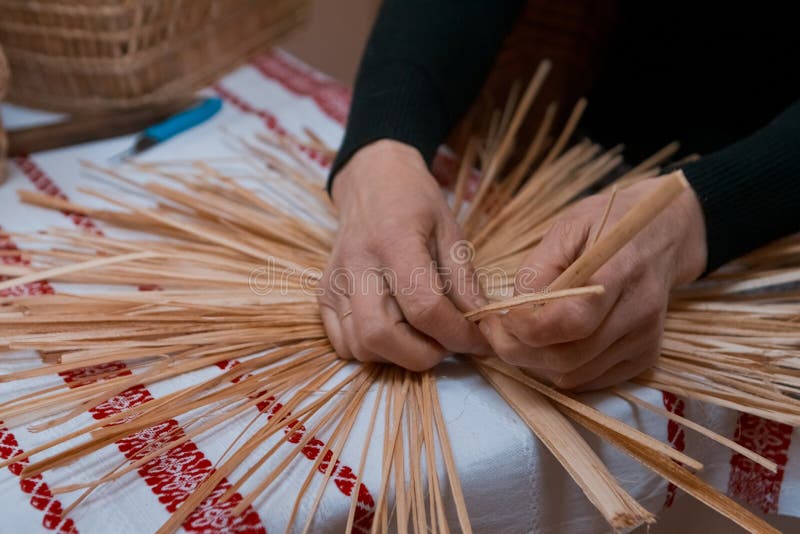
334, 37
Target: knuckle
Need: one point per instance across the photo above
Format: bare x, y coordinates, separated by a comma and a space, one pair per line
563, 227
652, 314
379, 245
422, 311
653, 306
652, 285
374, 335
570, 321
571, 226
630, 264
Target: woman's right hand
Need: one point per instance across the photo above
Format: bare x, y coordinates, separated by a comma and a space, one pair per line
400, 277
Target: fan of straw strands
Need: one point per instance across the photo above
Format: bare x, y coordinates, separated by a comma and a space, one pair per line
199, 234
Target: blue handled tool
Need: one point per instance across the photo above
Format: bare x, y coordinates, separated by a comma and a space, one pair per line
178, 123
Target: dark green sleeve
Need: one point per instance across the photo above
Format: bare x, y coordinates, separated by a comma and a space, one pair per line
750, 190
424, 63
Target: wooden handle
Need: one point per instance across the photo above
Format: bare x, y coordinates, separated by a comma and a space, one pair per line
84, 128
626, 229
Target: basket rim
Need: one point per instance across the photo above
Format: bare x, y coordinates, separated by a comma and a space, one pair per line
140, 58
177, 88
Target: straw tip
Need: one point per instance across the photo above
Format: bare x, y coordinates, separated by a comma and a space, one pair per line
680, 178
596, 290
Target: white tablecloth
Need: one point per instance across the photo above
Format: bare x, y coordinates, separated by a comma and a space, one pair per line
511, 482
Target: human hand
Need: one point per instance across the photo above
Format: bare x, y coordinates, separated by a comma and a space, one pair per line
595, 341
394, 289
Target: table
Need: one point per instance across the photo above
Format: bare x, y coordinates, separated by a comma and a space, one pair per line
511, 482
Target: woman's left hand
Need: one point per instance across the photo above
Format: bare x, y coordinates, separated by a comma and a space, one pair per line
595, 341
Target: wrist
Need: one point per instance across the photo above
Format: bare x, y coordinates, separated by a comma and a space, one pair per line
370, 160
692, 254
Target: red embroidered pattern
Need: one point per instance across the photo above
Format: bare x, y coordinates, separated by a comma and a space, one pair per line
44, 184
271, 122
343, 476
41, 496
332, 97
175, 474
749, 481
676, 437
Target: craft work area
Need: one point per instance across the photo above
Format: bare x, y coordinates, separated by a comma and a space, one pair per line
398, 266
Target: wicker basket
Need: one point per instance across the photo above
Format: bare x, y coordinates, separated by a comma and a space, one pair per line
110, 54
3, 141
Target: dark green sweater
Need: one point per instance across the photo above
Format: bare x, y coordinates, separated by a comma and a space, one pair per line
703, 73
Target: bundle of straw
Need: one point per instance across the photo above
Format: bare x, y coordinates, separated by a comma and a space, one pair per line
202, 236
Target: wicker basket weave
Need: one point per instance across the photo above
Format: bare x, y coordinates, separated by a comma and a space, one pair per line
3, 141
111, 54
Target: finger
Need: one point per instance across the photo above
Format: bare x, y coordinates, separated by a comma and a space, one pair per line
339, 285
382, 332
418, 291
633, 351
564, 358
333, 329
618, 374
339, 296
332, 304
571, 319
455, 256
353, 341
349, 337
561, 245
503, 342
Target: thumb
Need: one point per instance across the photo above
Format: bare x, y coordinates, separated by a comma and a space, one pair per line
560, 246
561, 321
454, 257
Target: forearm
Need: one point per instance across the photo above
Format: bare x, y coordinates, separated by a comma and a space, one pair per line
424, 63
750, 191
